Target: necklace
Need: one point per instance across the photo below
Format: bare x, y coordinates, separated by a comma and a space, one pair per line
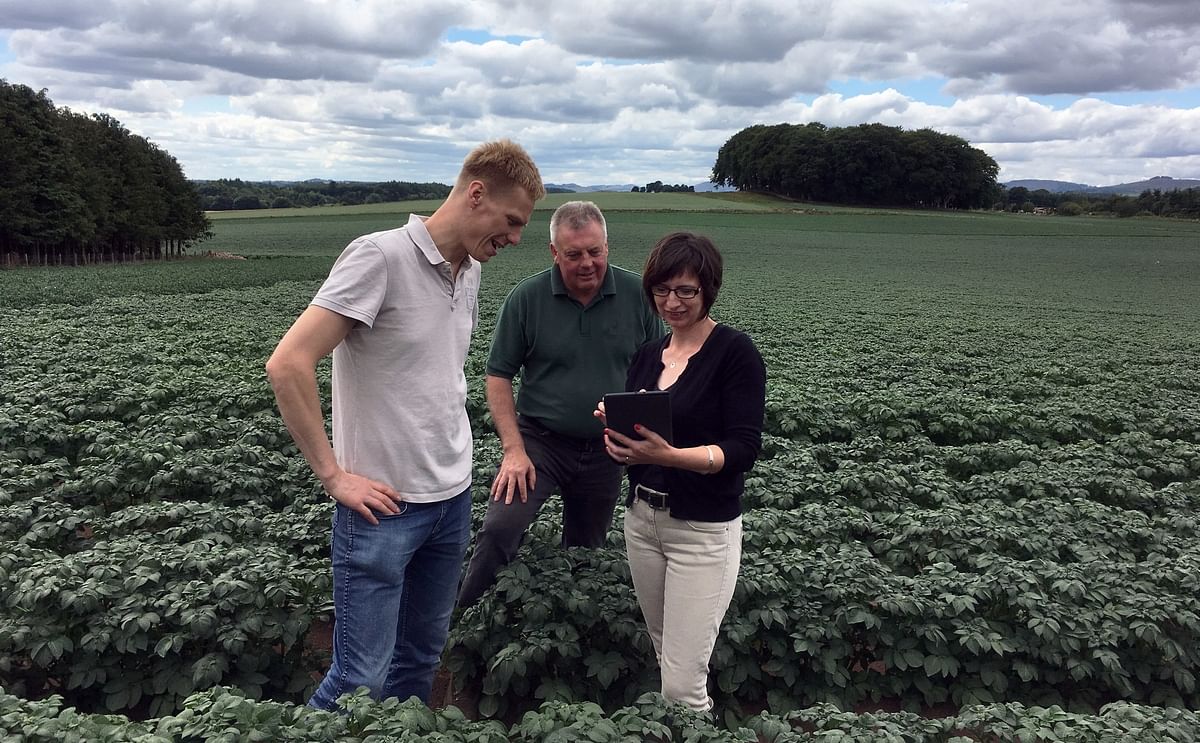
684, 359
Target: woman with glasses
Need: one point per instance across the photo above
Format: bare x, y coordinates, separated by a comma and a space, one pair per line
683, 524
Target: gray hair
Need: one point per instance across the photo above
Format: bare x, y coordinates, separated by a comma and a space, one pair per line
576, 215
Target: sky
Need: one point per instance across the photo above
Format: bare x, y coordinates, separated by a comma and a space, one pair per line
616, 91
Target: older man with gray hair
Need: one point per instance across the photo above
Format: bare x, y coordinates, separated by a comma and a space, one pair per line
569, 333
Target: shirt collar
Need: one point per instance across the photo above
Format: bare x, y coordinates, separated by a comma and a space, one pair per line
424, 242
557, 286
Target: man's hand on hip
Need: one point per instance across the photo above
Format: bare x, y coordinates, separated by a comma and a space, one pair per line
517, 475
363, 496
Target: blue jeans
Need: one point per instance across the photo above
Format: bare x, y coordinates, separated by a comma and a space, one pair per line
393, 591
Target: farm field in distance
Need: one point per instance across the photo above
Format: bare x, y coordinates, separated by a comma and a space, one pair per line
977, 497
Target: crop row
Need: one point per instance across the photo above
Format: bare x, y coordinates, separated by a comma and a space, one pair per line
221, 714
834, 623
1040, 602
140, 622
894, 521
1131, 472
946, 511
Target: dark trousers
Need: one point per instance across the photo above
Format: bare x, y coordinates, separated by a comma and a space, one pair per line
589, 481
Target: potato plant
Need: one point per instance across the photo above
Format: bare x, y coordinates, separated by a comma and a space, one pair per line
224, 714
978, 487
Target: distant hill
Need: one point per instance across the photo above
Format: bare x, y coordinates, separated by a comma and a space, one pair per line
1034, 184
576, 188
1160, 182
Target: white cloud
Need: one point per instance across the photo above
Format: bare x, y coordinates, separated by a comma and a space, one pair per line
615, 90
695, 30
515, 65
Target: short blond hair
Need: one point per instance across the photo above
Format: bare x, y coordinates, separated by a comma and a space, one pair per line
502, 164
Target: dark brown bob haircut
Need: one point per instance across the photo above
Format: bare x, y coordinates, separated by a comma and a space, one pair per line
684, 252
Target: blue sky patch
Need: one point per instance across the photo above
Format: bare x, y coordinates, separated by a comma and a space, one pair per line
481, 36
206, 104
6, 54
925, 89
1185, 98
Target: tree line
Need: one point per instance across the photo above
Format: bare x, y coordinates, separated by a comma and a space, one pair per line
660, 187
1179, 203
226, 194
868, 164
78, 189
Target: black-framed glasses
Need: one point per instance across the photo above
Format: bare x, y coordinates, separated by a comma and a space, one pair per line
683, 292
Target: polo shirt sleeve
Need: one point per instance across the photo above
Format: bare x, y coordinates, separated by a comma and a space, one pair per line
357, 283
743, 403
507, 354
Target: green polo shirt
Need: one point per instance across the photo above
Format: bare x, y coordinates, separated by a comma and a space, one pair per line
567, 355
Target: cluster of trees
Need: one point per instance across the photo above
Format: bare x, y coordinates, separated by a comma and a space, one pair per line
870, 164
1021, 199
660, 187
226, 194
78, 189
1181, 203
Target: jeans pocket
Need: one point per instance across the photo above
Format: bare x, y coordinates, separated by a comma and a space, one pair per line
398, 514
708, 527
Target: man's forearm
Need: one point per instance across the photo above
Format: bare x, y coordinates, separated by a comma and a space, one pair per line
292, 370
300, 407
504, 413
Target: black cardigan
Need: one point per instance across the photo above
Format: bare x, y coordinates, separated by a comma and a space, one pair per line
718, 399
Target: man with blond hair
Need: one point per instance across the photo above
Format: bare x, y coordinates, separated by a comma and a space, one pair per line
570, 332
397, 312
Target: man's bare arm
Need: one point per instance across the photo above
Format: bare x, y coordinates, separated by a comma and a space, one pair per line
292, 371
517, 474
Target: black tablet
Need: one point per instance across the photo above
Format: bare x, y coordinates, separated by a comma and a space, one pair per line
650, 409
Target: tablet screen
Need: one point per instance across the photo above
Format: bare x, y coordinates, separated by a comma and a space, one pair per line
650, 409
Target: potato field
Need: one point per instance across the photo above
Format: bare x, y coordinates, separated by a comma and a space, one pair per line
975, 515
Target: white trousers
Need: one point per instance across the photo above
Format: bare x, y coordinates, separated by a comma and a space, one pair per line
684, 573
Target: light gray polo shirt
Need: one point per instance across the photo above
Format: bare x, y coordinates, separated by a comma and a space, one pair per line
399, 391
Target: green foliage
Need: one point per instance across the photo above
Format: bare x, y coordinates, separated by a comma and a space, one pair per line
571, 631
660, 187
978, 486
137, 622
1180, 203
1183, 203
81, 190
864, 164
225, 715
235, 193
32, 287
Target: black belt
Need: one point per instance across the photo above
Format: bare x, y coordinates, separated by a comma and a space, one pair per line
575, 442
656, 499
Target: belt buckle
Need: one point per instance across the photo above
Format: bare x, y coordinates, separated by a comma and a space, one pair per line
656, 499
